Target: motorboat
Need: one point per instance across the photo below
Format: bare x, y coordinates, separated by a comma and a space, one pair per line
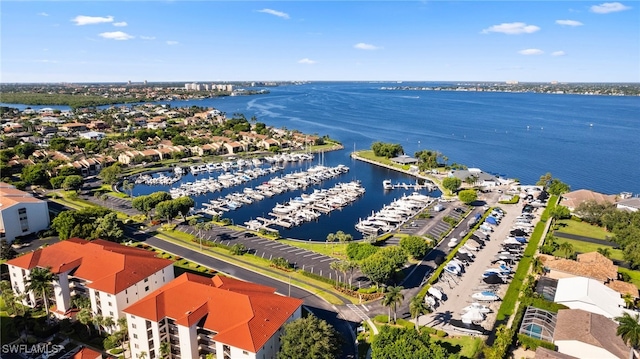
512, 240
452, 268
472, 317
485, 296
435, 292
477, 306
431, 301
463, 250
471, 329
386, 184
471, 247
452, 242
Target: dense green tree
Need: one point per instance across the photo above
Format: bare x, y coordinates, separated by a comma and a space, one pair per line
380, 266
167, 209
85, 317
416, 246
82, 223
73, 182
604, 251
360, 251
387, 150
553, 185
58, 144
427, 159
40, 283
184, 204
6, 251
109, 175
310, 338
451, 183
64, 223
68, 171
35, 175
591, 211
109, 228
25, 150
401, 343
7, 154
468, 196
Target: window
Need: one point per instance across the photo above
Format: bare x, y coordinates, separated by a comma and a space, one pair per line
146, 280
146, 289
24, 221
133, 325
135, 336
127, 300
14, 274
245, 352
111, 314
110, 304
136, 346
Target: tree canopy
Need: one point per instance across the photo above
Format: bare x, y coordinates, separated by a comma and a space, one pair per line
310, 338
387, 150
452, 183
468, 196
416, 246
553, 185
400, 343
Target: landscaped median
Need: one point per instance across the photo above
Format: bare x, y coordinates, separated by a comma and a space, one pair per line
256, 264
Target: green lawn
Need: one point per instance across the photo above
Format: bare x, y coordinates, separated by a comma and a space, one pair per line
336, 250
585, 247
582, 229
634, 274
469, 346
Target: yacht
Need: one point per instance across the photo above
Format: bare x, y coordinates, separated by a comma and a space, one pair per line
386, 184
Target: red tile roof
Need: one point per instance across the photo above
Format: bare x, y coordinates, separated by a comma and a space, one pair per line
87, 353
108, 267
244, 315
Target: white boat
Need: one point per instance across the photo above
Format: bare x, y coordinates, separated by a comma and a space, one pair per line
478, 307
435, 292
485, 296
452, 243
386, 184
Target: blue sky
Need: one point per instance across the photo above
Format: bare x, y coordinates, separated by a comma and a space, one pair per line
115, 41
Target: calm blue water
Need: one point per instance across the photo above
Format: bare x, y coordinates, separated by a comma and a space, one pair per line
590, 142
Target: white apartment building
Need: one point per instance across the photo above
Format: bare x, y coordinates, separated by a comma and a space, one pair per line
20, 213
197, 316
111, 275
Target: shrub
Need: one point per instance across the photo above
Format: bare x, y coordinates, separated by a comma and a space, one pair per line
281, 263
369, 290
381, 318
360, 251
532, 343
515, 199
405, 323
416, 246
318, 277
110, 342
238, 249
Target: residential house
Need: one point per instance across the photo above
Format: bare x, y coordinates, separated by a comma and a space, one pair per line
629, 204
590, 295
111, 275
21, 213
74, 127
587, 335
219, 316
234, 147
573, 199
93, 135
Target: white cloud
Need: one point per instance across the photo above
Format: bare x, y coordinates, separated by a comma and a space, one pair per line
277, 13
569, 23
608, 7
531, 52
120, 24
91, 20
147, 37
43, 14
558, 53
171, 42
363, 46
512, 28
306, 61
116, 35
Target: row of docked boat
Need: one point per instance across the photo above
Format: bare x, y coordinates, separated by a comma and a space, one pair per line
289, 157
272, 187
225, 166
161, 179
224, 180
309, 206
394, 214
388, 185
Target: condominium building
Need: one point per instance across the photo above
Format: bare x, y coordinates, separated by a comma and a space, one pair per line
20, 213
111, 275
219, 317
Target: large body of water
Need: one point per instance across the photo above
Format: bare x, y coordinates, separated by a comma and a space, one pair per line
590, 142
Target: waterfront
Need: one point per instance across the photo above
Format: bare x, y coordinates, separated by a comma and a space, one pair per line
587, 141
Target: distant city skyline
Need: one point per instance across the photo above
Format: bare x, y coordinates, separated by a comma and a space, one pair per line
209, 41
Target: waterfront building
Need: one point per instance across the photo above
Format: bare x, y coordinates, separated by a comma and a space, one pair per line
574, 199
20, 213
111, 275
221, 316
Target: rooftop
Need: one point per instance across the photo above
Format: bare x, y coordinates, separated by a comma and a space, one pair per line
252, 313
107, 266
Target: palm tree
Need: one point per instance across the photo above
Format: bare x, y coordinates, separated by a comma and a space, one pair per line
142, 355
331, 237
605, 252
416, 308
85, 317
165, 350
629, 300
392, 298
567, 248
200, 226
537, 266
336, 267
97, 321
108, 323
128, 186
39, 282
629, 330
